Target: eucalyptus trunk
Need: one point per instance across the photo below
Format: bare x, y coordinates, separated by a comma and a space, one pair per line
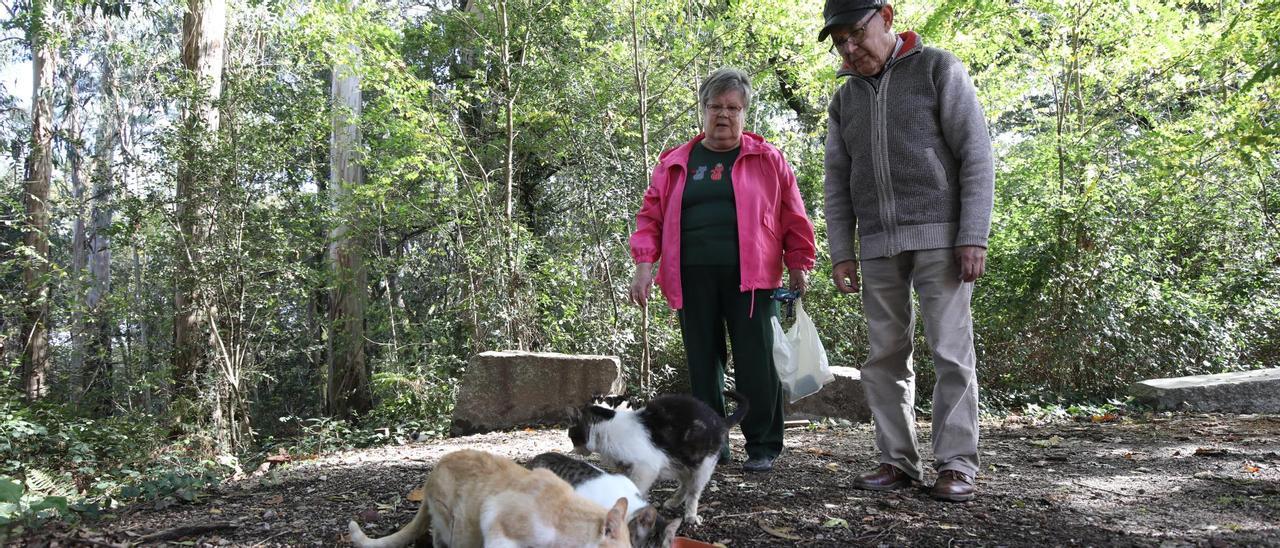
97, 331
203, 32
348, 392
73, 137
39, 169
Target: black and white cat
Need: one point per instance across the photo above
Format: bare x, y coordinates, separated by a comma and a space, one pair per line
674, 436
649, 529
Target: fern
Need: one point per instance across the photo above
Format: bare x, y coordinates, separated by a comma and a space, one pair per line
43, 483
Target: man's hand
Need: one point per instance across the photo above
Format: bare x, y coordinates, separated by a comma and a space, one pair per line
798, 281
845, 275
641, 283
972, 261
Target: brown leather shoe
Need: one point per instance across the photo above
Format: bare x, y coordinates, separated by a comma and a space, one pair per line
953, 486
885, 477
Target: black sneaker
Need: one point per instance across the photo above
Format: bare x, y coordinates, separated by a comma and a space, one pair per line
758, 464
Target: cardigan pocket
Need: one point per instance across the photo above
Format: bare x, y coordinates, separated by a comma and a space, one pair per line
939, 172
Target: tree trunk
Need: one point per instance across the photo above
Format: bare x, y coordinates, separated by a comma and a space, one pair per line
642, 113
203, 29
97, 334
39, 168
73, 137
348, 390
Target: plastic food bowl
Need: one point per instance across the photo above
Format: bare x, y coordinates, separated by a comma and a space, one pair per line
686, 542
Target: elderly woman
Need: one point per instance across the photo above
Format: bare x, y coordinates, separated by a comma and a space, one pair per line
724, 215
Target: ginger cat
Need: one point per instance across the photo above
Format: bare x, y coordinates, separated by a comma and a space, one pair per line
475, 499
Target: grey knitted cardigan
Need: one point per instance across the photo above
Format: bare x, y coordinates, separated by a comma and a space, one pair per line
908, 158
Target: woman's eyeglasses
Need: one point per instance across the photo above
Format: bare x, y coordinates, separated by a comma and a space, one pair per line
732, 110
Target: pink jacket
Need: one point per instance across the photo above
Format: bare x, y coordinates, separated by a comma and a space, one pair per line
772, 226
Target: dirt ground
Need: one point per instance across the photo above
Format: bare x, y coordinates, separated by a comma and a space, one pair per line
1156, 480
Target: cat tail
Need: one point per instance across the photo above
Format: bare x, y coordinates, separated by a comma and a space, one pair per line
738, 413
406, 536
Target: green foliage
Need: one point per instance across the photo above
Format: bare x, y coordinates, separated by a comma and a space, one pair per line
56, 465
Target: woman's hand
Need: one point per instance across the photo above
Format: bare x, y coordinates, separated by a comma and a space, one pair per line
641, 284
798, 280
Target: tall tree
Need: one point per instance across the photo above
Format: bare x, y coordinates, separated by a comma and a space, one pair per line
39, 170
348, 390
97, 330
203, 33
72, 135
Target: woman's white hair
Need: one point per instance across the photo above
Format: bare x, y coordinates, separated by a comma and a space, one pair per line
724, 80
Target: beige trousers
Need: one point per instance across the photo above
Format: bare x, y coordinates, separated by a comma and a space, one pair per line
888, 377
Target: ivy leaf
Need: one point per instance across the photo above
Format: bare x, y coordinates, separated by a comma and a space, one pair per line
10, 491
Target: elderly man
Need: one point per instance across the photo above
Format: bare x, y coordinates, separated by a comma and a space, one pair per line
909, 169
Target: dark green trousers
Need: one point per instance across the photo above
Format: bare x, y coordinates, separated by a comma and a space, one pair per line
712, 302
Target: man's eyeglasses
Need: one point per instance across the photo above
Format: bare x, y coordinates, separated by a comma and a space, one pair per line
855, 36
732, 110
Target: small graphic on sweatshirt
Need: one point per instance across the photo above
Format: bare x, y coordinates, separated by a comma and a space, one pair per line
718, 172
702, 172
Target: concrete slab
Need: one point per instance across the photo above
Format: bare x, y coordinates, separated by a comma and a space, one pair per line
842, 398
509, 388
1255, 391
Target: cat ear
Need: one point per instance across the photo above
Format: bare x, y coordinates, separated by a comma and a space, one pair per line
645, 519
603, 412
615, 523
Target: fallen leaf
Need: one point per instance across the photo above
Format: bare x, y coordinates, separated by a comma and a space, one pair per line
1252, 469
1053, 441
1209, 452
832, 466
1106, 417
415, 495
780, 532
836, 522
275, 499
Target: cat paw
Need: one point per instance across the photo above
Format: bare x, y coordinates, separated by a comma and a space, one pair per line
693, 520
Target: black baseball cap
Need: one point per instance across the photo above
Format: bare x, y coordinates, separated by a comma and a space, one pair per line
846, 12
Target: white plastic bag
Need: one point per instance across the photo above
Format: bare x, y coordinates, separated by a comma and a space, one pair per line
799, 357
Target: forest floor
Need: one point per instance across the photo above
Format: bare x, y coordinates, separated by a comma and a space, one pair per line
1157, 480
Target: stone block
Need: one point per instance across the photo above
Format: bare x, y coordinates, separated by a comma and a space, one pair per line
505, 389
842, 399
1255, 391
